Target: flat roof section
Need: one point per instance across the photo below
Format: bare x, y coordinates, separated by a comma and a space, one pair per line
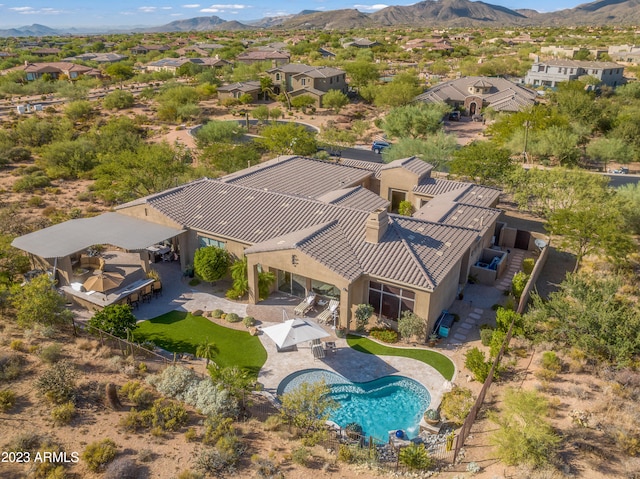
109, 228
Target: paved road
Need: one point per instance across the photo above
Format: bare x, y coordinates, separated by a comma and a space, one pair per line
361, 154
619, 180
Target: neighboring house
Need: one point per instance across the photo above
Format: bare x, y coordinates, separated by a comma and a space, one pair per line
97, 57
209, 46
298, 79
472, 94
570, 52
361, 43
550, 73
144, 49
632, 58
172, 64
45, 52
276, 58
7, 55
55, 70
236, 90
326, 53
192, 49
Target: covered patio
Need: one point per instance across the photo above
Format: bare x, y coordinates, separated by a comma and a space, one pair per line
67, 251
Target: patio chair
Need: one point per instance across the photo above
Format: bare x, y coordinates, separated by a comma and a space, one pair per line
156, 289
326, 314
146, 293
134, 300
306, 305
318, 351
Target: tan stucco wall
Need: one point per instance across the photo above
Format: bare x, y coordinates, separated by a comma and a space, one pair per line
444, 295
398, 179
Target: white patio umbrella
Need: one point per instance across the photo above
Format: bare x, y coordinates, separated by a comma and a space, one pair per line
294, 331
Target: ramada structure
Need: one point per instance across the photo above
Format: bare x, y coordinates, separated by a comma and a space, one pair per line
325, 227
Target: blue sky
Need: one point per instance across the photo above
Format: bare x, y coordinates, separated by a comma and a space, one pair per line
114, 13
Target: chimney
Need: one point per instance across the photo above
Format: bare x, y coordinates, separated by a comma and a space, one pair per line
376, 225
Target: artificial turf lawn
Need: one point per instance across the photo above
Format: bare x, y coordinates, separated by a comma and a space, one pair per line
181, 332
438, 361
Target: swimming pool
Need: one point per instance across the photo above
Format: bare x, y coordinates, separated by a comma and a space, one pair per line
385, 404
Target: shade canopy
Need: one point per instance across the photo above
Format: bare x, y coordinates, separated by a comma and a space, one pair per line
116, 229
294, 331
101, 281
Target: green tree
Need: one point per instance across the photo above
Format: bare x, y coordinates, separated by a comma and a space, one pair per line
437, 150
474, 361
118, 100
219, 132
119, 72
260, 113
287, 139
68, 159
610, 149
118, 134
361, 73
405, 208
484, 162
207, 350
307, 406
335, 99
240, 278
362, 314
559, 143
523, 436
402, 90
629, 196
265, 280
416, 457
116, 319
126, 175
589, 313
13, 262
414, 121
78, 110
302, 102
38, 302
410, 325
228, 157
211, 263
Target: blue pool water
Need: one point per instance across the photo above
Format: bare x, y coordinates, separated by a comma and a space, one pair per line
386, 404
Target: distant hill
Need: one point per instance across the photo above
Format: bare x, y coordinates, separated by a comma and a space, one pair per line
431, 13
447, 12
198, 24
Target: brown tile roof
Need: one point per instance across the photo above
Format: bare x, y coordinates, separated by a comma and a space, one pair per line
413, 164
262, 55
358, 197
412, 251
299, 176
363, 165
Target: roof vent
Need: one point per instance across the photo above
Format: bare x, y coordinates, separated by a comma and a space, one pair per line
421, 229
439, 253
223, 222
448, 244
281, 242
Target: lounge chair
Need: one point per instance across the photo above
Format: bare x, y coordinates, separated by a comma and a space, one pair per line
327, 314
306, 305
318, 351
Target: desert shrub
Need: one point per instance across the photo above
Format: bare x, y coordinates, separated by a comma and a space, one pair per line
52, 353
273, 423
232, 318
217, 313
189, 475
416, 457
522, 422
485, 336
58, 382
17, 345
518, 283
137, 394
527, 265
191, 435
456, 404
411, 325
345, 453
629, 443
475, 362
384, 335
168, 415
36, 201
216, 427
32, 181
183, 384
249, 321
300, 455
63, 414
7, 400
146, 455
136, 420
353, 454
10, 367
98, 454
122, 468
216, 462
267, 469
551, 361
497, 338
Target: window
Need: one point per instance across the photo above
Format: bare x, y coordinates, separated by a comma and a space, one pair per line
396, 197
277, 76
203, 242
303, 81
390, 301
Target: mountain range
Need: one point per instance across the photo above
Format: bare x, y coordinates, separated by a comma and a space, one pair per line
428, 13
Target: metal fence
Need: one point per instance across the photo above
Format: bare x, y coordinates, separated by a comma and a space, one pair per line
465, 430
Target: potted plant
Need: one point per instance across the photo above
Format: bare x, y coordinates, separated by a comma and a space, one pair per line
433, 339
432, 417
341, 332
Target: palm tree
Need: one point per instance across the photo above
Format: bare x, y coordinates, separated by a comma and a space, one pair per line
207, 350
